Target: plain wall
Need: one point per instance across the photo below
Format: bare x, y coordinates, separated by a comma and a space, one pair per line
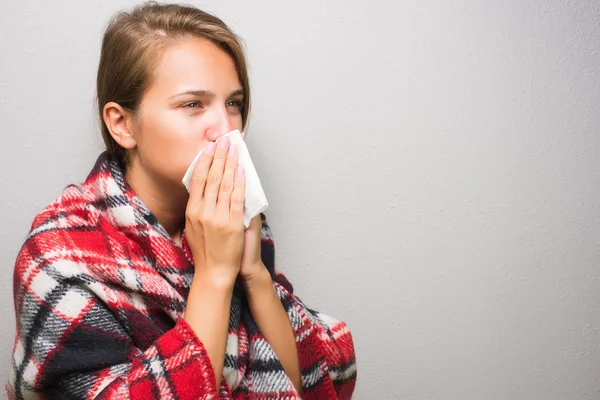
433, 169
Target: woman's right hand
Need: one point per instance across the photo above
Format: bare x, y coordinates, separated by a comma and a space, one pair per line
215, 233
214, 215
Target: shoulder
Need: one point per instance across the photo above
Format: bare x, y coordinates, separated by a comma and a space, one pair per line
72, 211
76, 208
64, 228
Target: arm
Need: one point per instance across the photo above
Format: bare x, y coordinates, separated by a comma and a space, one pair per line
323, 344
273, 321
324, 350
207, 313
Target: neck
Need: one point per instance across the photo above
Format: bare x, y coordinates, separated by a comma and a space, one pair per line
164, 199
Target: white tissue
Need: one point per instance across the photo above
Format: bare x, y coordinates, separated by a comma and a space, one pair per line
255, 201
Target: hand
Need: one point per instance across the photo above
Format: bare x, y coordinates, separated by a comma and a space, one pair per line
214, 215
252, 266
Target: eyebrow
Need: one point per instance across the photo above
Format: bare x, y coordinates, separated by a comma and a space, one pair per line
207, 93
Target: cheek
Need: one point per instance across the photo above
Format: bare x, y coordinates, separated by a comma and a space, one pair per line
169, 141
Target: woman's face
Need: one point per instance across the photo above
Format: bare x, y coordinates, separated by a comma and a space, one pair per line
195, 97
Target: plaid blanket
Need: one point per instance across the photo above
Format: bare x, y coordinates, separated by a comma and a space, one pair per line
100, 290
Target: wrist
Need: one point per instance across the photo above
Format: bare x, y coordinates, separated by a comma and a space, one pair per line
213, 281
257, 282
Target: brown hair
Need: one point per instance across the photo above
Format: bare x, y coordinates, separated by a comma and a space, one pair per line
132, 46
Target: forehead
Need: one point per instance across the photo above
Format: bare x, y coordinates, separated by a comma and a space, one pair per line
195, 64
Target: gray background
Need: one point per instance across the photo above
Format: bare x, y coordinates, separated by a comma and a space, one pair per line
433, 169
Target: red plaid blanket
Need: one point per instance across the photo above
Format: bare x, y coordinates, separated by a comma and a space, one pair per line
99, 293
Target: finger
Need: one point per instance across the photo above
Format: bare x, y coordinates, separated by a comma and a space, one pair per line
238, 195
227, 183
200, 173
256, 222
215, 175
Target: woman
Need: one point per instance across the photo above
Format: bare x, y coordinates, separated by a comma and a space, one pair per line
128, 287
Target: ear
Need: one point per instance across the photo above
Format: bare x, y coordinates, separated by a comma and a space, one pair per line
119, 122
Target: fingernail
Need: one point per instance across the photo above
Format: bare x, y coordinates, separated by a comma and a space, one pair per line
223, 142
240, 172
232, 150
210, 148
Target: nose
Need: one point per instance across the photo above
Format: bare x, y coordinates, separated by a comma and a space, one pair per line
219, 127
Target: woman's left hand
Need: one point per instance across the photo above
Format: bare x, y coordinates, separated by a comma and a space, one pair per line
252, 266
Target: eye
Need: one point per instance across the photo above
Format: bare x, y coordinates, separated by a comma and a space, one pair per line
192, 105
236, 104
